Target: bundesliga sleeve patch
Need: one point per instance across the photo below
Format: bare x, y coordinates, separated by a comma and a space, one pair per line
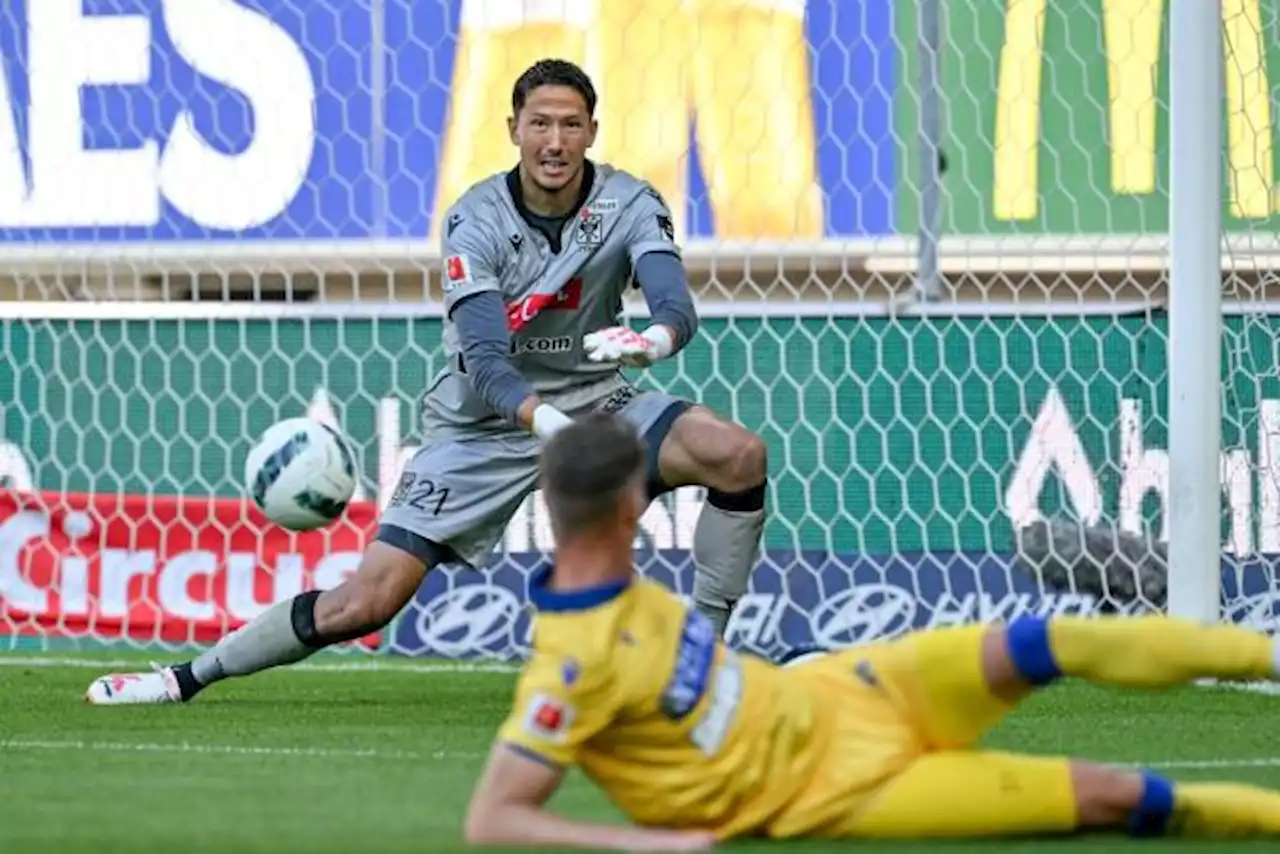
456, 272
548, 719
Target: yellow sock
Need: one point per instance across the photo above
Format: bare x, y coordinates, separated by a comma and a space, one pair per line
1147, 652
1224, 810
1156, 652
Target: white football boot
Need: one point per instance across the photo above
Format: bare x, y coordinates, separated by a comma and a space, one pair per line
131, 689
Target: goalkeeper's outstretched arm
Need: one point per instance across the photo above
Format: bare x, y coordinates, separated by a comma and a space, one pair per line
665, 285
473, 301
661, 277
508, 808
481, 321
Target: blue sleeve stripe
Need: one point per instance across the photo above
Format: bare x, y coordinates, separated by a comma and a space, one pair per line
1151, 818
533, 755
1028, 644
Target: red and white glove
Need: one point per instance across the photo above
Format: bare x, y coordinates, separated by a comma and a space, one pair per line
627, 347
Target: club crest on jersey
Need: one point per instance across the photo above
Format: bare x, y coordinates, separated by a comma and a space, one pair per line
589, 231
548, 718
456, 272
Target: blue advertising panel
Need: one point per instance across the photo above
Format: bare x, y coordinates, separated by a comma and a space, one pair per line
797, 600
162, 120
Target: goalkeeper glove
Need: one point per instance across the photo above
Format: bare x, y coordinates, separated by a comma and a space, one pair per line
628, 347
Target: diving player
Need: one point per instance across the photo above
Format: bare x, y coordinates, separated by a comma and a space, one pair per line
536, 262
696, 744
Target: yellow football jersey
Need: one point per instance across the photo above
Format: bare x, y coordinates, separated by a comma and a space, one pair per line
636, 689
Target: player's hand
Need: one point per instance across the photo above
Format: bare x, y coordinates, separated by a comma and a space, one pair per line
625, 346
643, 839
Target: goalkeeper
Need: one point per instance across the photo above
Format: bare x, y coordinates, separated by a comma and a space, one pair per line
696, 744
536, 262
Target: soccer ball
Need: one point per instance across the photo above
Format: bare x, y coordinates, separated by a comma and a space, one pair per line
301, 473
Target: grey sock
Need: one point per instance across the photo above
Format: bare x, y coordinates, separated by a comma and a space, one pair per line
267, 641
725, 546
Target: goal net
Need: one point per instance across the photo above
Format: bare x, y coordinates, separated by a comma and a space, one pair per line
216, 215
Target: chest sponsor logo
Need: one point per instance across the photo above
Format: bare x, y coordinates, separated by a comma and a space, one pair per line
568, 298
556, 344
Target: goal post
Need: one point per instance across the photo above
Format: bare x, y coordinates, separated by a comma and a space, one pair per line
1195, 306
1005, 386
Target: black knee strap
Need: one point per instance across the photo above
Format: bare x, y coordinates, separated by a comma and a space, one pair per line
739, 502
304, 619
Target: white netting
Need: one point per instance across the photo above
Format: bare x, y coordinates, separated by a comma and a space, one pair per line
229, 227
1250, 459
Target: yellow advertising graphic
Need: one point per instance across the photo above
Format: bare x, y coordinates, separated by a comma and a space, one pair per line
1131, 35
735, 71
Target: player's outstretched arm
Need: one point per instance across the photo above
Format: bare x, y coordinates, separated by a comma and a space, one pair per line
482, 330
662, 278
508, 808
660, 273
473, 301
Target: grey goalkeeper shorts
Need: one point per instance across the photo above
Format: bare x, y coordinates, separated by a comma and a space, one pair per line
460, 491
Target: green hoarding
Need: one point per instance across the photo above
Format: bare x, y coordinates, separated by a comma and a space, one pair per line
1057, 120
884, 436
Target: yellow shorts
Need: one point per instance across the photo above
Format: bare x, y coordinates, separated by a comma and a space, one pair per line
902, 762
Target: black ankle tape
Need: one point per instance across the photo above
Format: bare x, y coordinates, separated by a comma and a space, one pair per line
304, 619
739, 502
188, 685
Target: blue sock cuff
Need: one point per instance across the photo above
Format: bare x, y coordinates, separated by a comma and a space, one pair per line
1151, 818
1028, 641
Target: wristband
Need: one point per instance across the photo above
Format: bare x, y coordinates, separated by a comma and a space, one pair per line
662, 341
547, 421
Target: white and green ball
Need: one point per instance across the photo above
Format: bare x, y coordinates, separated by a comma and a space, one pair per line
301, 474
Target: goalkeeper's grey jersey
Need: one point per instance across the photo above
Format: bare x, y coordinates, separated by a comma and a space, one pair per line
553, 298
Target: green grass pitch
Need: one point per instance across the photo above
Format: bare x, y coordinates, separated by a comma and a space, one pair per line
322, 759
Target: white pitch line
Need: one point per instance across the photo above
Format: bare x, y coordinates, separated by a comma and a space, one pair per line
233, 750
1270, 689
1208, 764
436, 667
449, 755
